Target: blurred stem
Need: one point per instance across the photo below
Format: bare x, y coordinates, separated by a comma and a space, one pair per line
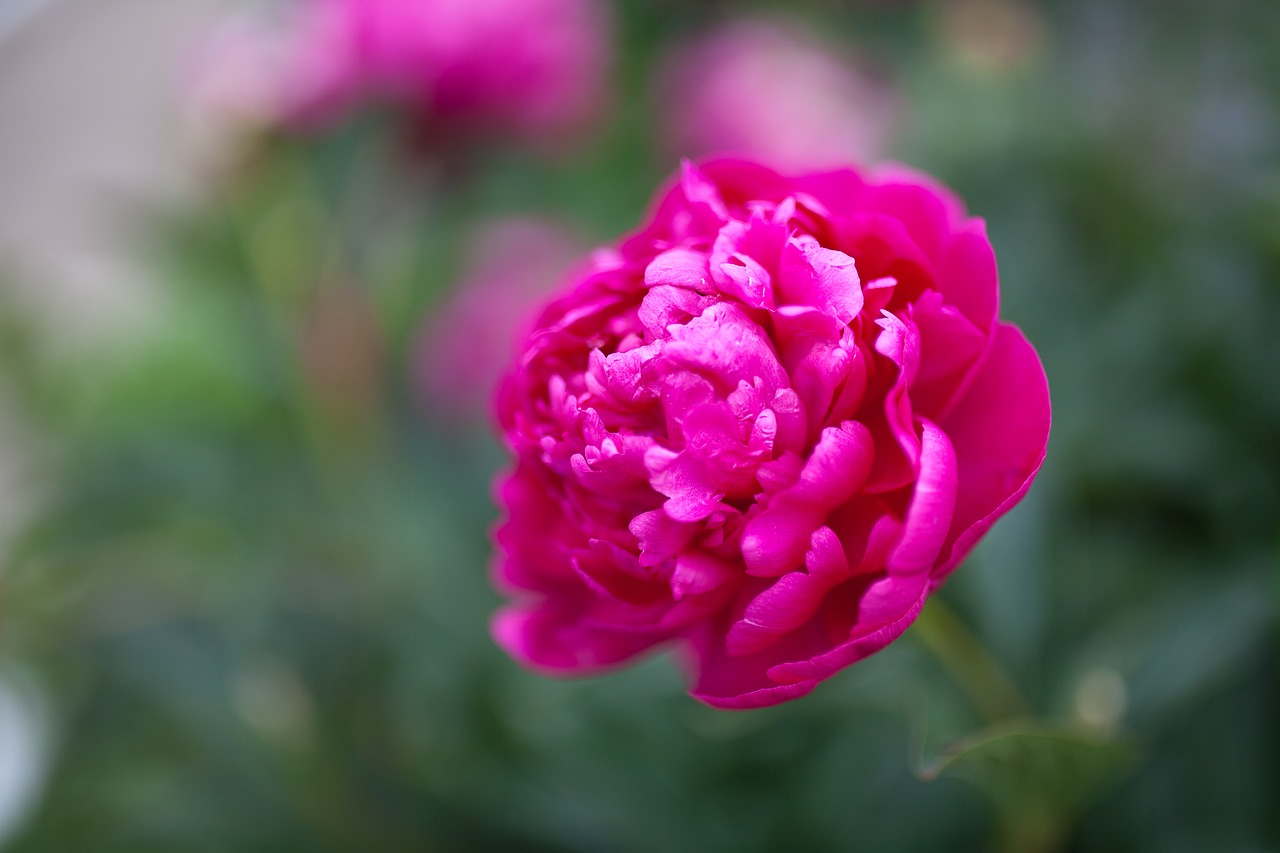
1035, 832
978, 674
996, 697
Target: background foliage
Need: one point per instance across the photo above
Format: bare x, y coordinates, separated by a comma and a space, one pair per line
252, 595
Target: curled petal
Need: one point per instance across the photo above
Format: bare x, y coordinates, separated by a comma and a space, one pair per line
725, 347
660, 537
792, 599
898, 459
932, 504
886, 610
775, 541
691, 496
824, 278
666, 304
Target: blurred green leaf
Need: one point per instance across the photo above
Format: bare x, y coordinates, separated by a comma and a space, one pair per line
1038, 774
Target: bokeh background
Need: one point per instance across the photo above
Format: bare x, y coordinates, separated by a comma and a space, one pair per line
243, 590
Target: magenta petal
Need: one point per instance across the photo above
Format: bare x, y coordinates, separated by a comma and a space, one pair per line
691, 496
902, 597
819, 369
723, 680
951, 347
697, 573
999, 430
747, 282
666, 304
820, 277
614, 576
930, 212
724, 346
899, 342
836, 190
881, 244
701, 192
838, 466
660, 536
761, 697
759, 239
620, 376
679, 268
743, 180
774, 541
932, 504
789, 413
792, 599
799, 660
968, 277
534, 511
554, 639
898, 448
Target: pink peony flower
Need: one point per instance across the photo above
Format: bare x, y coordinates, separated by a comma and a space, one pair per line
764, 429
532, 67
465, 346
772, 91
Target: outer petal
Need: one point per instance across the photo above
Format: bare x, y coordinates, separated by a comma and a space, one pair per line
967, 275
999, 430
742, 681
904, 596
798, 662
741, 181
951, 349
930, 211
535, 517
555, 639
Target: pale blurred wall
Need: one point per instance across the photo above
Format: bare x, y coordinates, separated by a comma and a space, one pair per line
88, 118
89, 127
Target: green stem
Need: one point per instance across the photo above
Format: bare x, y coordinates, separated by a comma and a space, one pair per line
978, 674
1031, 833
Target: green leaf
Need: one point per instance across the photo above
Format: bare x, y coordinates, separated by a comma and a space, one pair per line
1039, 775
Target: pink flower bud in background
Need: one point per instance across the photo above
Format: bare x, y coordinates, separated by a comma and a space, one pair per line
766, 428
773, 91
534, 68
466, 344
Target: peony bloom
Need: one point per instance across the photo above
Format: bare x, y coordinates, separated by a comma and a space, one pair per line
465, 346
764, 429
772, 91
530, 67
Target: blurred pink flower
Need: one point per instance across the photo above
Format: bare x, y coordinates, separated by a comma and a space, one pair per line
765, 428
773, 91
464, 345
530, 67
